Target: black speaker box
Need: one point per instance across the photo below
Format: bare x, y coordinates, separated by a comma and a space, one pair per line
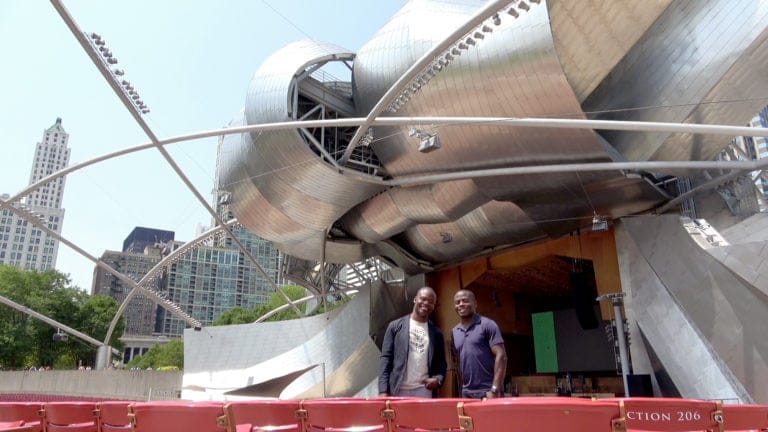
584, 294
639, 385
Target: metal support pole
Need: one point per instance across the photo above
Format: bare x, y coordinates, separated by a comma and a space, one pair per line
103, 357
617, 299
323, 364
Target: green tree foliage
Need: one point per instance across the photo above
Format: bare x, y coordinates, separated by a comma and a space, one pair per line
239, 315
161, 356
236, 315
26, 341
294, 292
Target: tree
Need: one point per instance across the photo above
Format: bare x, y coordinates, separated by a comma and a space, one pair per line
26, 341
161, 356
236, 315
294, 292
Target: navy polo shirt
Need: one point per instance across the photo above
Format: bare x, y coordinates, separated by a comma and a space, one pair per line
473, 346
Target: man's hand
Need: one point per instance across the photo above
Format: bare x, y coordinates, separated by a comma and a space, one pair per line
431, 383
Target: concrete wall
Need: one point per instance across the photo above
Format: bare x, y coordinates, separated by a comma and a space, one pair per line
102, 384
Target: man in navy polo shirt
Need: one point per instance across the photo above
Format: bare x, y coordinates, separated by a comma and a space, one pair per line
479, 347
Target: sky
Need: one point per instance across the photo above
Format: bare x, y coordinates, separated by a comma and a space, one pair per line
190, 60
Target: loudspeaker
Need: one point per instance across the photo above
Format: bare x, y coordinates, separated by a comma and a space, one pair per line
584, 294
639, 385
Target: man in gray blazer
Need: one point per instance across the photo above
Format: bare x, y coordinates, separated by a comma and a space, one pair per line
413, 352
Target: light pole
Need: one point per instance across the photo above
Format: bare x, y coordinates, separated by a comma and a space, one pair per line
617, 300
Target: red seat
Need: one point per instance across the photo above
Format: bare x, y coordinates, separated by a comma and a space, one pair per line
335, 415
176, 416
20, 416
540, 414
70, 417
745, 417
18, 426
272, 415
671, 414
426, 414
113, 416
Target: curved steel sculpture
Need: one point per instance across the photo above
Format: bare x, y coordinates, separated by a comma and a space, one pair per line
521, 59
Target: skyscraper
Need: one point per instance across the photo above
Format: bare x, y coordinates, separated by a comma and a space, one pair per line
21, 244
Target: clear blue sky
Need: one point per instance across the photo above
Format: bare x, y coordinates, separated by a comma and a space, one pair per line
191, 61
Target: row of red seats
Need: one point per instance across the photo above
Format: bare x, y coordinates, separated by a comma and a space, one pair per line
42, 397
386, 415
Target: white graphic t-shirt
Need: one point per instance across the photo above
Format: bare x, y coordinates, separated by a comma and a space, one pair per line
417, 368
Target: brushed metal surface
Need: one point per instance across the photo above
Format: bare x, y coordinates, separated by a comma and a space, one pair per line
654, 61
694, 54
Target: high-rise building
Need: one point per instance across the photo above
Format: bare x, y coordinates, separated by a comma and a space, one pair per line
142, 237
753, 148
141, 311
21, 244
210, 280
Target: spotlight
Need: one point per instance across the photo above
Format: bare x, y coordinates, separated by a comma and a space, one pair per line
513, 12
599, 223
524, 6
496, 20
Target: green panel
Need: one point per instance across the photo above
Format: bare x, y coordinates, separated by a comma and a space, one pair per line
544, 342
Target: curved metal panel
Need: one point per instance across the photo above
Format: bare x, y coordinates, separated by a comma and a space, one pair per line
505, 75
281, 189
592, 36
419, 25
683, 59
268, 97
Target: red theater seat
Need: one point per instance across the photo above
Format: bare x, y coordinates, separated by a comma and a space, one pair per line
113, 416
272, 415
360, 415
426, 414
745, 417
176, 416
70, 417
20, 416
671, 414
540, 414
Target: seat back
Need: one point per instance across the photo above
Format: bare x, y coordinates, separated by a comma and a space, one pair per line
426, 414
671, 414
277, 415
20, 416
176, 416
70, 417
540, 414
18, 426
745, 417
334, 415
113, 416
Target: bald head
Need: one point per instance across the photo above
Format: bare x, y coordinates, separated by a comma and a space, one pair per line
465, 304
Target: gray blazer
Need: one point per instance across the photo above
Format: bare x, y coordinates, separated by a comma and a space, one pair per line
394, 354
